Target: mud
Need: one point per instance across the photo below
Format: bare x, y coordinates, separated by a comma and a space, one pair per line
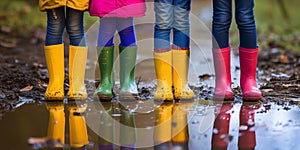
24, 66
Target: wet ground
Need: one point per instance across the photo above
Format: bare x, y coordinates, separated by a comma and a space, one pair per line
272, 123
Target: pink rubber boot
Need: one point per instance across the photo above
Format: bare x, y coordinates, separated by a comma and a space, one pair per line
223, 89
248, 62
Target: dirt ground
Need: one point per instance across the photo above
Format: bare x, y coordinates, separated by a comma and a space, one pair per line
23, 76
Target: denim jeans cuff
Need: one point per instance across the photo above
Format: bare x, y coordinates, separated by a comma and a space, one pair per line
175, 47
161, 50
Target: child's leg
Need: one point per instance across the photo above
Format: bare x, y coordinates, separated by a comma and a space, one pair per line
245, 20
127, 53
222, 17
248, 50
105, 50
181, 49
221, 23
75, 27
163, 24
55, 26
162, 54
126, 31
107, 30
77, 54
181, 23
54, 53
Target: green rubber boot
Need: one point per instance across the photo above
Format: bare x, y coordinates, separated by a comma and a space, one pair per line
127, 66
106, 62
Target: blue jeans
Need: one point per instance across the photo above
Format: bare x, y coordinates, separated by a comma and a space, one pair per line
108, 27
244, 15
57, 20
172, 14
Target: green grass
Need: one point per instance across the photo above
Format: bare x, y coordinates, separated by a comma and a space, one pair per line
89, 20
274, 29
22, 17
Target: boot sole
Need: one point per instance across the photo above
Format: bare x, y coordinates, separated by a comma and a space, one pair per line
128, 97
251, 99
103, 97
184, 99
54, 98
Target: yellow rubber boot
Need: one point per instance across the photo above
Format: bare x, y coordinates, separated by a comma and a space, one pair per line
163, 125
54, 55
77, 63
56, 125
163, 68
180, 135
180, 74
78, 130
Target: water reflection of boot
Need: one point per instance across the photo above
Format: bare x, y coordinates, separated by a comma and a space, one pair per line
247, 139
77, 124
180, 134
162, 129
127, 129
56, 125
221, 135
106, 128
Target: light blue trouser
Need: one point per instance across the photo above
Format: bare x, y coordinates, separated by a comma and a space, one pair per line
172, 14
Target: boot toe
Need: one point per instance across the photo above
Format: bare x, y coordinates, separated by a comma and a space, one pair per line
252, 95
163, 96
128, 95
223, 95
185, 95
104, 92
54, 94
79, 95
103, 95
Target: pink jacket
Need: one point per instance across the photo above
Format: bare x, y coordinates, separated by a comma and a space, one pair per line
117, 8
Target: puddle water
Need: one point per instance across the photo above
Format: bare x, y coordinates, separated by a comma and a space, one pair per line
147, 125
189, 125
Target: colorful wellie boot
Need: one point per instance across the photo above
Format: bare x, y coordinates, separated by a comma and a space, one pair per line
128, 88
248, 62
56, 125
180, 71
77, 124
223, 89
163, 69
77, 63
106, 61
54, 55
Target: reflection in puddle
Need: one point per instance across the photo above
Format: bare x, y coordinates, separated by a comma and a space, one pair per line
183, 125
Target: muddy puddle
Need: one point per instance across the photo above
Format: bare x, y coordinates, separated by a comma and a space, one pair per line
28, 122
147, 125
